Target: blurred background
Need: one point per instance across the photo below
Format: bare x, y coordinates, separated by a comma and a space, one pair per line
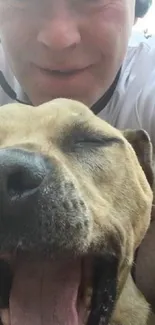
144, 27
147, 24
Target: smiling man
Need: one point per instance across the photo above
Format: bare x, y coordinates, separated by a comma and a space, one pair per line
76, 49
67, 48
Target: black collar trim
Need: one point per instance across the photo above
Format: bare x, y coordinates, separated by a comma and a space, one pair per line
103, 101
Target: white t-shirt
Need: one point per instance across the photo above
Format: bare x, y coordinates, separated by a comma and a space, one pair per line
133, 102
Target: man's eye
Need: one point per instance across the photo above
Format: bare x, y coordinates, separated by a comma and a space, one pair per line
91, 2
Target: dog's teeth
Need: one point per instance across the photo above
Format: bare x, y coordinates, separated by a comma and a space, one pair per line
86, 316
5, 317
88, 296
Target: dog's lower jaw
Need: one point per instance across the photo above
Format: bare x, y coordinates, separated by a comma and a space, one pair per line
138, 312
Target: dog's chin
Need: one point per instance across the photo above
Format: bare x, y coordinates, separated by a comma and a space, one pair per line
51, 291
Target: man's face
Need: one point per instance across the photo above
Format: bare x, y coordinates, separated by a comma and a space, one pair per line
65, 48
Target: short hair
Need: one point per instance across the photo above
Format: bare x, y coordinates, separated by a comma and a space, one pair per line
142, 7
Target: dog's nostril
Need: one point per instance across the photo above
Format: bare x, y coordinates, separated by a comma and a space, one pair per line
20, 182
21, 172
15, 184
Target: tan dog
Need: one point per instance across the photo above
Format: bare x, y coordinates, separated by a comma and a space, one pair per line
74, 206
145, 260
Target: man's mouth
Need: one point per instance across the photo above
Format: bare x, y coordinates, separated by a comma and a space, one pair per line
63, 291
64, 73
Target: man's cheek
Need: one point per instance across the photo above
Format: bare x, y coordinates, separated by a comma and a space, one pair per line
11, 13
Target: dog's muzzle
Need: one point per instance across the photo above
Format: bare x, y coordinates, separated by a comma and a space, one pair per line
41, 208
45, 233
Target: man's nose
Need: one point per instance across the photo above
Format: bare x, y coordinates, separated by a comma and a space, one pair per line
60, 31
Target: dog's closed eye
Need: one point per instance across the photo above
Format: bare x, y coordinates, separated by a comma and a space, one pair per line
82, 137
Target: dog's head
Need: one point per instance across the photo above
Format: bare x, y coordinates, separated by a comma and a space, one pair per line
75, 203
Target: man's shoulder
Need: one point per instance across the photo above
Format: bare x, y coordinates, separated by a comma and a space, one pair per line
2, 58
1, 55
133, 101
138, 70
7, 78
136, 103
141, 56
4, 75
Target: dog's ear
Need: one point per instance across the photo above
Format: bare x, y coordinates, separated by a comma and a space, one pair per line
140, 141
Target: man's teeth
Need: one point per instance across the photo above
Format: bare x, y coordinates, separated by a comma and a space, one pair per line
5, 317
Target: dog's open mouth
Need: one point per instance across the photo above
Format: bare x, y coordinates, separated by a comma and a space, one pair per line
67, 291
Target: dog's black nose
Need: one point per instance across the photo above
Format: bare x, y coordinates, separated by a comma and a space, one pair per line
21, 174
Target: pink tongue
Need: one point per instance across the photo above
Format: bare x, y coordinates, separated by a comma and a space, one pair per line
45, 293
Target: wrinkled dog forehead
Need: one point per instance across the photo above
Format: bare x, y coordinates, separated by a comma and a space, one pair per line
67, 126
50, 119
